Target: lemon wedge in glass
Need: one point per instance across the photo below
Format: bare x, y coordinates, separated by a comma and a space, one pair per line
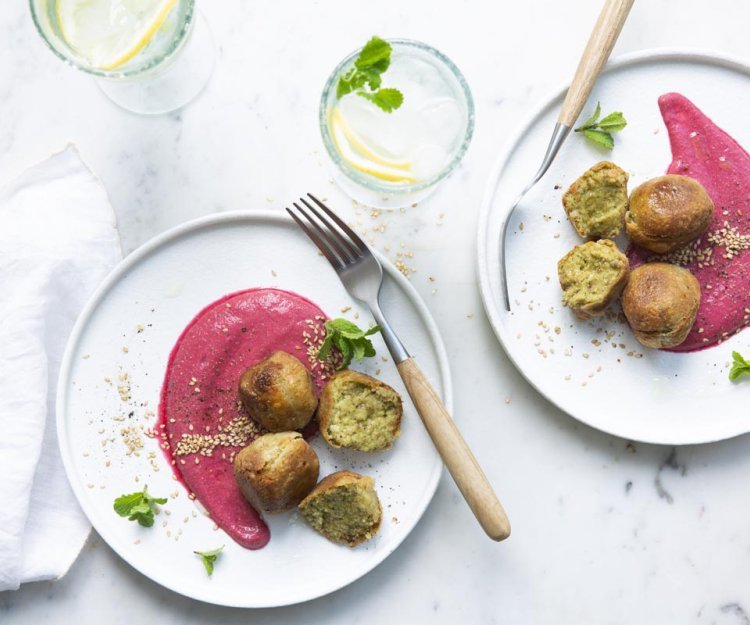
109, 33
357, 154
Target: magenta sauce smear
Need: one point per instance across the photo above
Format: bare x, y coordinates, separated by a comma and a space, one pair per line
719, 259
202, 423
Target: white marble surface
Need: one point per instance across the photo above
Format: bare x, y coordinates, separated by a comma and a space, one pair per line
604, 531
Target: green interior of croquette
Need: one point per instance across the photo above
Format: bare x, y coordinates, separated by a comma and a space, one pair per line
363, 417
345, 514
602, 206
589, 275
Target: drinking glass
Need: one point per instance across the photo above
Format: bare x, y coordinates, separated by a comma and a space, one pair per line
437, 115
166, 74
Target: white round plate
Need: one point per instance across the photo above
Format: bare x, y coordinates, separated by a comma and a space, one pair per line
130, 326
608, 381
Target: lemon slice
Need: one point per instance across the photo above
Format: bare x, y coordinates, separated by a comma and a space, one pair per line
108, 33
360, 156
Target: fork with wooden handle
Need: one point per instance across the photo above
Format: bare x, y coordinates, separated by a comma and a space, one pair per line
362, 276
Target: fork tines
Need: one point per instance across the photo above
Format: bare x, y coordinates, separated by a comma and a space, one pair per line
338, 243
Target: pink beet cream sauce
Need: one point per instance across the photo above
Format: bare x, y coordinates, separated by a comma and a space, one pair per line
703, 151
202, 423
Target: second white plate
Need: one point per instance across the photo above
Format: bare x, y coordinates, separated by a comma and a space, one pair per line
597, 372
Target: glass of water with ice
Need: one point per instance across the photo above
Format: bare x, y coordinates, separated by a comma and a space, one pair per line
394, 159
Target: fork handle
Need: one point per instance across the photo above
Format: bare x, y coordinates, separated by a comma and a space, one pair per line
454, 451
600, 44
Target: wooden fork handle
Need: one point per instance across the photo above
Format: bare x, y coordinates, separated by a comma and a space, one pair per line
455, 453
597, 51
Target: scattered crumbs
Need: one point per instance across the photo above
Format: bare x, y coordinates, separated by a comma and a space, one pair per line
86, 356
346, 309
131, 438
273, 273
521, 226
469, 315
123, 388
585, 355
139, 328
567, 377
137, 541
125, 349
394, 519
235, 434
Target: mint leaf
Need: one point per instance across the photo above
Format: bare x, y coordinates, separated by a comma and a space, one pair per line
375, 54
614, 122
365, 78
372, 79
598, 136
740, 366
349, 82
125, 503
369, 348
358, 348
344, 345
349, 339
591, 121
139, 507
325, 347
209, 558
600, 131
344, 326
386, 99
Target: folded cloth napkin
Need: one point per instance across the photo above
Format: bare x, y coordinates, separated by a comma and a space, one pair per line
58, 239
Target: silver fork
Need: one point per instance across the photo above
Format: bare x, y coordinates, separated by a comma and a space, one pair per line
362, 276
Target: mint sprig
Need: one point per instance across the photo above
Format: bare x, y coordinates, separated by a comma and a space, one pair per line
740, 366
600, 130
209, 558
349, 339
365, 78
139, 506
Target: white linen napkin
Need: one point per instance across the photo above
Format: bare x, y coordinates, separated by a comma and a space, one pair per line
58, 239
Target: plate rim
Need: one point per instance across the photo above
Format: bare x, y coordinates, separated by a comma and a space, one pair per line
143, 251
494, 314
